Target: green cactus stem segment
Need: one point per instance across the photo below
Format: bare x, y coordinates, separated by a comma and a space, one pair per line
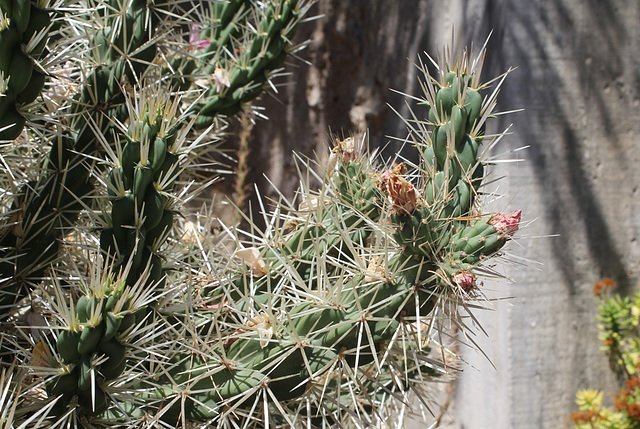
484, 237
261, 40
23, 35
140, 223
95, 349
141, 219
317, 337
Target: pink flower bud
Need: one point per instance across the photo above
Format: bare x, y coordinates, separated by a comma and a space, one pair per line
464, 279
384, 177
506, 224
195, 41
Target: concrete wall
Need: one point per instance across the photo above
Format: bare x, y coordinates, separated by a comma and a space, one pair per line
578, 79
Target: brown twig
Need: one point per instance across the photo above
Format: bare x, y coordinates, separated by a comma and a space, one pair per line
240, 189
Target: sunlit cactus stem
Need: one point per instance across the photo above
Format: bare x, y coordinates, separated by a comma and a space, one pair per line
140, 185
240, 57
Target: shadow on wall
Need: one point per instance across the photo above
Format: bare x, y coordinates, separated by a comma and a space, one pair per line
561, 70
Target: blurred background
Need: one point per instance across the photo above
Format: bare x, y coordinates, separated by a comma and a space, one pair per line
577, 78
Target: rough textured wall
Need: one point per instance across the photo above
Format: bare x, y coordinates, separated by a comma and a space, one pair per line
577, 77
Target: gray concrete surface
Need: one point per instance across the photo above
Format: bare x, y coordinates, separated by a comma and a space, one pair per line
578, 75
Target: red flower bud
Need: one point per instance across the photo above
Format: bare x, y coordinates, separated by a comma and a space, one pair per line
464, 279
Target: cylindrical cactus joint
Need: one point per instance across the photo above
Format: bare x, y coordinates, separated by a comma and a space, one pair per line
23, 36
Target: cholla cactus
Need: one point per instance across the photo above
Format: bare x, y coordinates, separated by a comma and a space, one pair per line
112, 48
325, 318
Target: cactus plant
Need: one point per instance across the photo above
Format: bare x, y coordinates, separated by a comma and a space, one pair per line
145, 318
123, 40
